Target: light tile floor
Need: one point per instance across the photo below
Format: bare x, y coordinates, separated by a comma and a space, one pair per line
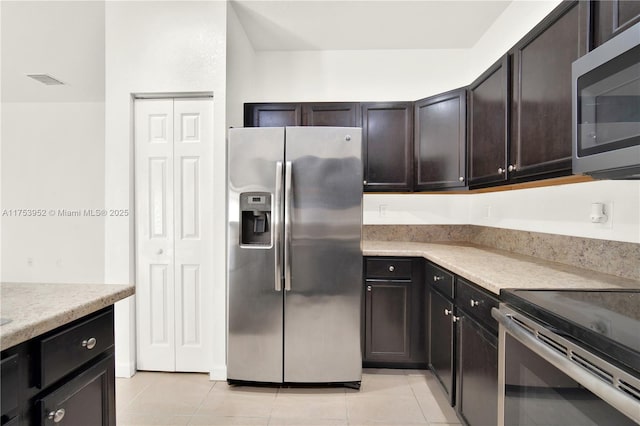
387, 397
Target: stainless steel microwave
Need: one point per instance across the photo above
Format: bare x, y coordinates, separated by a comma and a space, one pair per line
606, 109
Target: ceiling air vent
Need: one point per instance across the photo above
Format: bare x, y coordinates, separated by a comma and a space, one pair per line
45, 79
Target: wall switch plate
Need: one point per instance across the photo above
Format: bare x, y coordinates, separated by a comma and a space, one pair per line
382, 209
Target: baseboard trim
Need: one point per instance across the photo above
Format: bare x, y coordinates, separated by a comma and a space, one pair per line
125, 369
218, 372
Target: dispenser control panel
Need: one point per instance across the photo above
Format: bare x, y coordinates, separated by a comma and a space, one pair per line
255, 217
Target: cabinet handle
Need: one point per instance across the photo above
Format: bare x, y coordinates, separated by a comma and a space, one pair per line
438, 278
57, 415
455, 318
368, 288
89, 343
512, 168
447, 311
392, 268
500, 171
461, 178
474, 303
364, 182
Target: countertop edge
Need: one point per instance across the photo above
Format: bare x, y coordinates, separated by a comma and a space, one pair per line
42, 325
451, 256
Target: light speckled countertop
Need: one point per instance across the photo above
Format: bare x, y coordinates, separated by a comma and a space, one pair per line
36, 308
497, 269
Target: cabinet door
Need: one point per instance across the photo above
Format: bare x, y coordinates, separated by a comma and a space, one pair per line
272, 115
339, 114
441, 141
441, 342
387, 321
477, 400
9, 378
489, 124
387, 137
541, 99
611, 17
87, 399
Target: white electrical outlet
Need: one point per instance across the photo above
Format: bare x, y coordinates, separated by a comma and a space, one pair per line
487, 212
382, 209
601, 214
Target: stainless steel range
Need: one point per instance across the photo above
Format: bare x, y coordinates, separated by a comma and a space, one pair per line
569, 357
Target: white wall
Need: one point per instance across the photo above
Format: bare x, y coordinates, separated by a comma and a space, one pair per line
363, 75
241, 70
161, 46
52, 141
562, 209
52, 159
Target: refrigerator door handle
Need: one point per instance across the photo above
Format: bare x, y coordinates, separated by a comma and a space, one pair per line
288, 199
277, 219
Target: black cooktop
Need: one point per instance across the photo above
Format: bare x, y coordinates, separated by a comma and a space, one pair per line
607, 321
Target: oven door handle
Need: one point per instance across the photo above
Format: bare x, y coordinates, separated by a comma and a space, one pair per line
606, 391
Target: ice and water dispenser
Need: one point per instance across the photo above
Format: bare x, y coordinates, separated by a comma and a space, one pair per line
255, 217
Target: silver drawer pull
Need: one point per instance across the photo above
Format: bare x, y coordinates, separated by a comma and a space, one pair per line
89, 343
392, 268
447, 312
438, 277
57, 415
474, 303
455, 318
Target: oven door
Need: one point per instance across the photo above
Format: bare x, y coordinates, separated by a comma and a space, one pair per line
545, 379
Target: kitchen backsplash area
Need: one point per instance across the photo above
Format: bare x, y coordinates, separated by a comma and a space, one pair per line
609, 257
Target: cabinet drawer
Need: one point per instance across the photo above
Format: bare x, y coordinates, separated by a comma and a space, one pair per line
73, 346
440, 279
476, 303
388, 268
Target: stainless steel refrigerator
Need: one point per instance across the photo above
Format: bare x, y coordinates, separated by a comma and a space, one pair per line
294, 255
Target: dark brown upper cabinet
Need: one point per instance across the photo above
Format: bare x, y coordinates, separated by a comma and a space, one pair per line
337, 114
387, 138
488, 124
441, 141
541, 96
272, 115
611, 17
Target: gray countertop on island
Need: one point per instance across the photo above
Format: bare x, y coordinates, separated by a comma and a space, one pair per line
36, 308
496, 269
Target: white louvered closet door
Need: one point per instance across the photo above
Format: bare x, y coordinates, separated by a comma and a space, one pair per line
174, 241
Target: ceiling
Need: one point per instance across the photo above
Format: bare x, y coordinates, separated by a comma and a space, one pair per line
66, 39
365, 24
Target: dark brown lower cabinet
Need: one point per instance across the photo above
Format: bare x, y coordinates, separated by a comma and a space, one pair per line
393, 310
463, 345
388, 321
84, 400
477, 391
441, 342
65, 376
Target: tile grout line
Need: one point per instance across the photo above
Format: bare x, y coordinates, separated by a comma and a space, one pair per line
415, 397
